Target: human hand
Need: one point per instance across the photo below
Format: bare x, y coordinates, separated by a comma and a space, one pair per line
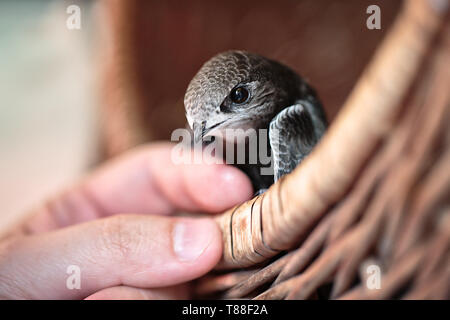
116, 227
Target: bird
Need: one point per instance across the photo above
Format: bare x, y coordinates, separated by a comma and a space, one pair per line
242, 90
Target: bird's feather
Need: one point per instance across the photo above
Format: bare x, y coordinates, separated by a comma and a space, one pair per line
292, 136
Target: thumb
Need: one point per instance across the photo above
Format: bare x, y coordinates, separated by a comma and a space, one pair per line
130, 250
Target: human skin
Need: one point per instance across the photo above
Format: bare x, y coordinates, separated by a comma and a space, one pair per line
119, 226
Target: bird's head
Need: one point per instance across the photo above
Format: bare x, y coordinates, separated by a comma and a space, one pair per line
239, 90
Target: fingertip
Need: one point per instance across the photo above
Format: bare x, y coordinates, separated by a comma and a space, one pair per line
176, 250
234, 184
216, 188
197, 243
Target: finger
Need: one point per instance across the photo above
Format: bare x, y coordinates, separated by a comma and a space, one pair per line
198, 186
179, 292
145, 181
131, 250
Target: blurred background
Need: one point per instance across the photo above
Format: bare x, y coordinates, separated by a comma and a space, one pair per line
70, 99
48, 104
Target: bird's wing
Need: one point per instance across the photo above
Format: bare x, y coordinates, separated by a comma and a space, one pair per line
292, 135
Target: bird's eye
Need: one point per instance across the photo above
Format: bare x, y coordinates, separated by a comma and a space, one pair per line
239, 95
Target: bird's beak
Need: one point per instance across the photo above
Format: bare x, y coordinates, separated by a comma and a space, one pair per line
199, 131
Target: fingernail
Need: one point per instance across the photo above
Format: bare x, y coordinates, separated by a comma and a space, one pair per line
191, 237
